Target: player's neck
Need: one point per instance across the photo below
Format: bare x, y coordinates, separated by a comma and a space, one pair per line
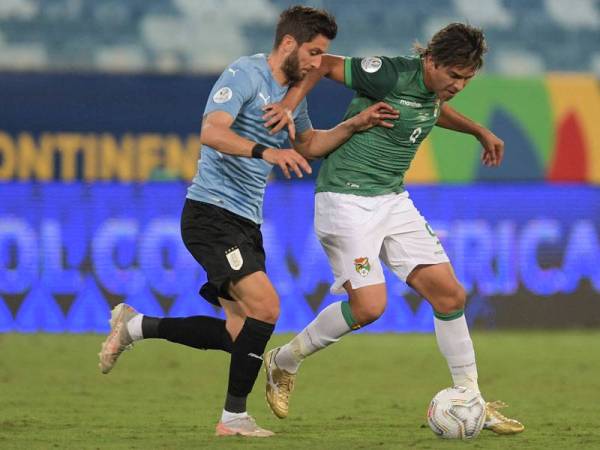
426, 78
275, 61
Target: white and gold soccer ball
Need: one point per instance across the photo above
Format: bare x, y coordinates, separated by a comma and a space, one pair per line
456, 413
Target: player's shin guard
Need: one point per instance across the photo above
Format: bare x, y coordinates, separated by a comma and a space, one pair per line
201, 332
455, 344
328, 327
246, 360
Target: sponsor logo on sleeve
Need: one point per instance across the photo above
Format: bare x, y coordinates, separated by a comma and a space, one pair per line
371, 64
223, 95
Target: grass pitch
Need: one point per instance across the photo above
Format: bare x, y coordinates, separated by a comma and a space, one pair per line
366, 392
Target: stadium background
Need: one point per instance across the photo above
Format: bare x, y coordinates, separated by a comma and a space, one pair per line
100, 108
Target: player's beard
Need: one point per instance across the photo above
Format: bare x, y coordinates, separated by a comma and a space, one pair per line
291, 68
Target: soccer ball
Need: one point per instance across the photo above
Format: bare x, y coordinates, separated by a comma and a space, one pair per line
456, 413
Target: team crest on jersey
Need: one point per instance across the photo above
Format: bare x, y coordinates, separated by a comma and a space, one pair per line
234, 257
223, 95
362, 266
371, 64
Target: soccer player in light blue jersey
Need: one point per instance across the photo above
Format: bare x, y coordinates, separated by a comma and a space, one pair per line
223, 210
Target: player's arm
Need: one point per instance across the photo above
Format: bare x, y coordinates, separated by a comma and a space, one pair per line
332, 67
372, 77
278, 115
318, 143
493, 146
216, 133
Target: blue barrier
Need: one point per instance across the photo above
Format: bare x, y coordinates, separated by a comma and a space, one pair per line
67, 252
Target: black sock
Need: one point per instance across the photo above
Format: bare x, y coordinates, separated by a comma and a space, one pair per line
201, 332
246, 359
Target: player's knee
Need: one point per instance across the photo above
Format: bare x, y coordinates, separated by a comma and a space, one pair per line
271, 314
460, 296
365, 314
266, 310
453, 300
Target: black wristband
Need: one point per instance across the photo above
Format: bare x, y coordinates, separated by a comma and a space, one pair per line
258, 150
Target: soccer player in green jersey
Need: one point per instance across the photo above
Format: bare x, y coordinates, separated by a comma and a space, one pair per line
363, 214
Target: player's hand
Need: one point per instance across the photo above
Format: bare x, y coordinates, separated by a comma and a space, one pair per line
375, 116
493, 148
287, 160
279, 116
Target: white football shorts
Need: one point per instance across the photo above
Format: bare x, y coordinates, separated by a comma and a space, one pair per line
359, 232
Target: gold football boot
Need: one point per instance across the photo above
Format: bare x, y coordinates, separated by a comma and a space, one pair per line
497, 422
280, 384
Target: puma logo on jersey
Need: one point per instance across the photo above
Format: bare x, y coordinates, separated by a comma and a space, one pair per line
254, 355
265, 99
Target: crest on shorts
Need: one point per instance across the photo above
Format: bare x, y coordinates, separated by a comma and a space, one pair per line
362, 266
234, 257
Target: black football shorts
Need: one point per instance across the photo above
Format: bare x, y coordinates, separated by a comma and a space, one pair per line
226, 245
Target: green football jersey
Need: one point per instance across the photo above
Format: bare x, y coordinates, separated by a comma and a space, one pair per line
374, 162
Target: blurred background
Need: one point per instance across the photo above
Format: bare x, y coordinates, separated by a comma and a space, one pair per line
100, 111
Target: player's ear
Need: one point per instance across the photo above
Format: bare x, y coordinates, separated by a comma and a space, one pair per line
430, 63
428, 60
288, 44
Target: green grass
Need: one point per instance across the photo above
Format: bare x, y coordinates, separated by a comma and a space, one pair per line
366, 392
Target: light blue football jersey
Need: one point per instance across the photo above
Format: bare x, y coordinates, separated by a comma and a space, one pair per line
236, 183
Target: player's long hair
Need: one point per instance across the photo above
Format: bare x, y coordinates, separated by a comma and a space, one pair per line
457, 44
304, 23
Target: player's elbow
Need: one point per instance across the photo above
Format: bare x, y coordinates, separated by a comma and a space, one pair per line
209, 135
